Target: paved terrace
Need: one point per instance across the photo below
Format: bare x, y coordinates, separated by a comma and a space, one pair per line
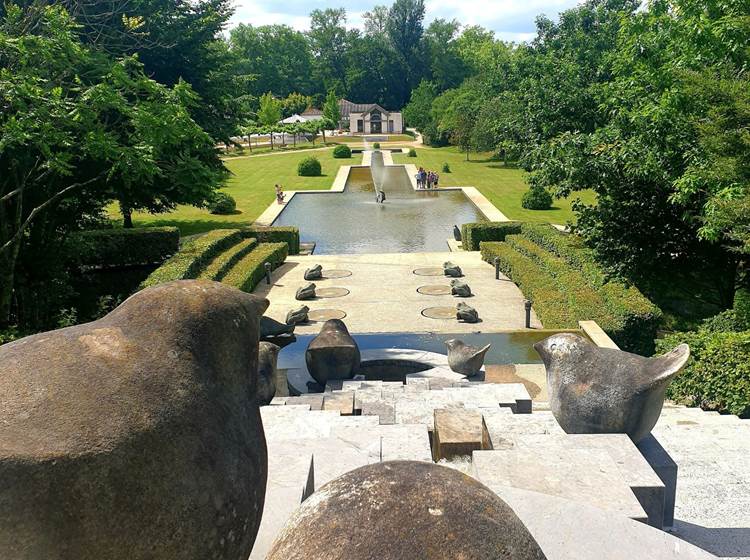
383, 293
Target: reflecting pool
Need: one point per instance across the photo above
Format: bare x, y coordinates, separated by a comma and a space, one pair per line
353, 222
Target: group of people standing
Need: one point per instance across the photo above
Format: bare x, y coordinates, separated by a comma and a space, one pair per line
427, 179
279, 194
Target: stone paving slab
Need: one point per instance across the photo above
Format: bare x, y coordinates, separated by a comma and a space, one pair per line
589, 476
383, 296
342, 401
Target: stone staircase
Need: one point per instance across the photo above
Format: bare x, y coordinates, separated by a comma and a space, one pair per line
488, 431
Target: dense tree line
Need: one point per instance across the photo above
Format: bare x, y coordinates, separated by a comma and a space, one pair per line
381, 64
649, 108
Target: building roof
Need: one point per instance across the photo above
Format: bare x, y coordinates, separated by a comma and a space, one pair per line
347, 108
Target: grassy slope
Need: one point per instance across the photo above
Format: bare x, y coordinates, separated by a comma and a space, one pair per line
503, 186
251, 185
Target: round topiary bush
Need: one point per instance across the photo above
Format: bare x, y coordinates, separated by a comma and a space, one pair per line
537, 198
446, 168
342, 151
309, 167
412, 152
222, 203
376, 145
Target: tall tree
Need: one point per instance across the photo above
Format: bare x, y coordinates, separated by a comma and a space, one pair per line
80, 129
277, 56
376, 20
447, 67
329, 40
405, 29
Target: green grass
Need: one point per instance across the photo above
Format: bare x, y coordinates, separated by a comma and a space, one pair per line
503, 186
252, 186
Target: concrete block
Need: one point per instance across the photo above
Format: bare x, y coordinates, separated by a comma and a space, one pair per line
589, 476
386, 413
313, 400
342, 401
405, 442
458, 432
666, 469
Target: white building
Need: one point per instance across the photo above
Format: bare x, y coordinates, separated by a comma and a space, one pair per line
370, 118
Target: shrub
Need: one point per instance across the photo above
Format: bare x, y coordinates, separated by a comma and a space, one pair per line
537, 198
309, 167
472, 234
123, 247
717, 376
342, 151
446, 168
223, 263
275, 234
222, 203
9, 335
250, 270
376, 145
726, 321
412, 152
194, 255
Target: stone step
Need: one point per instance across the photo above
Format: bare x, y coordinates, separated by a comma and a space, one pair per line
283, 423
585, 475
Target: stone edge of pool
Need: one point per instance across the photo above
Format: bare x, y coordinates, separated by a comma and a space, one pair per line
485, 207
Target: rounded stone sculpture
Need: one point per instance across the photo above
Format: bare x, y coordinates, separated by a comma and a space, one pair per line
456, 233
460, 288
137, 436
315, 272
297, 316
333, 354
466, 313
453, 270
305, 292
267, 357
464, 358
270, 328
595, 390
405, 509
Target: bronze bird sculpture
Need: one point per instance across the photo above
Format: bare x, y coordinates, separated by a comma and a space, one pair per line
465, 359
595, 390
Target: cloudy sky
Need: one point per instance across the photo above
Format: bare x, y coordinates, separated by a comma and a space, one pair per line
512, 20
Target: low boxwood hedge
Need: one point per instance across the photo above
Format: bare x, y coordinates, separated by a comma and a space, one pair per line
535, 283
717, 376
472, 234
250, 270
223, 263
639, 318
123, 247
276, 234
194, 255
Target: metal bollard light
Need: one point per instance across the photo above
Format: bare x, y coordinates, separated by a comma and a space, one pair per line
497, 268
268, 272
527, 306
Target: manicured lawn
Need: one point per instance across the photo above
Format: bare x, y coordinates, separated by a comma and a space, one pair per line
251, 185
503, 186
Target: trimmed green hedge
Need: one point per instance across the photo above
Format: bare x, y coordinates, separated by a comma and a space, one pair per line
717, 376
472, 234
250, 270
535, 283
194, 255
223, 263
309, 167
563, 293
123, 247
276, 234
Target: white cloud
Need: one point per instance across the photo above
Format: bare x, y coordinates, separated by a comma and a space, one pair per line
511, 20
